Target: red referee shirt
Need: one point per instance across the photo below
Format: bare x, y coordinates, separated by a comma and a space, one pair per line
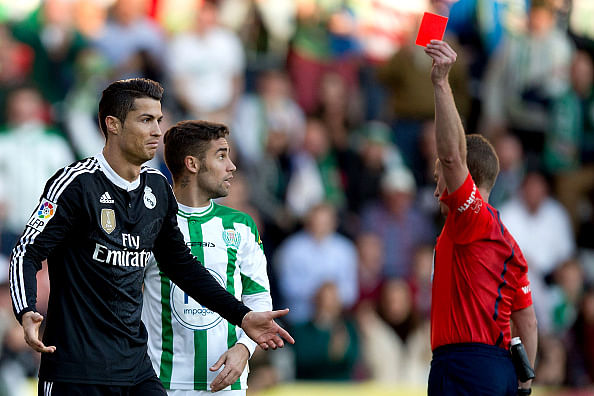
480, 274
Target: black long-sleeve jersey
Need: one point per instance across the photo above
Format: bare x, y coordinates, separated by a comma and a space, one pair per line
97, 232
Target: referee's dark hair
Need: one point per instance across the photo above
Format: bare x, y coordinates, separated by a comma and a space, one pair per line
190, 137
482, 161
118, 98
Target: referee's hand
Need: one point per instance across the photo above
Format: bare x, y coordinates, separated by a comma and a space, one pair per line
31, 322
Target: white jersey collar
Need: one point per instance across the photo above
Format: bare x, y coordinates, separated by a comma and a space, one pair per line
114, 177
189, 210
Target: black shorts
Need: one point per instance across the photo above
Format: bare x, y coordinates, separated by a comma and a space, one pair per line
472, 370
149, 387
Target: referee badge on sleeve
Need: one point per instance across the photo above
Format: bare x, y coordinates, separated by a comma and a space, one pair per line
108, 220
44, 213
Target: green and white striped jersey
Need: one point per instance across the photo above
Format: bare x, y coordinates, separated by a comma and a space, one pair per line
185, 338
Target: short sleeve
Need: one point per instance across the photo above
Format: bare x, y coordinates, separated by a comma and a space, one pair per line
469, 216
523, 297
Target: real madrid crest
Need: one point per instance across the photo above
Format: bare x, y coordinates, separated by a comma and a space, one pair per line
232, 238
108, 220
150, 201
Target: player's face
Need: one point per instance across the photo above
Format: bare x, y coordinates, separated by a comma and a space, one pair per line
215, 177
141, 131
440, 188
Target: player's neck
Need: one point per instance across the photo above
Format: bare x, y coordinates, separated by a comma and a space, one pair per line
127, 170
190, 195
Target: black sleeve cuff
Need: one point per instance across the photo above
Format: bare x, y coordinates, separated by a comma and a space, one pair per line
242, 312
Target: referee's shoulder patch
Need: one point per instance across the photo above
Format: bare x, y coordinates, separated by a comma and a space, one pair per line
44, 213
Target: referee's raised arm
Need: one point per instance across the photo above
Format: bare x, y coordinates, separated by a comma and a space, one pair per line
449, 132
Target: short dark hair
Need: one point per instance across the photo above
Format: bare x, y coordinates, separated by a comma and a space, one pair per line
118, 98
482, 161
190, 138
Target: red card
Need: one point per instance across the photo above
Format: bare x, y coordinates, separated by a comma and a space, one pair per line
432, 28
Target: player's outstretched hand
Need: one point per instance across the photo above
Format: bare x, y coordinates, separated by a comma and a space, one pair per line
261, 327
443, 58
31, 322
234, 360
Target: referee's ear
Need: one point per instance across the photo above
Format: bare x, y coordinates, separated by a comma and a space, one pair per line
192, 164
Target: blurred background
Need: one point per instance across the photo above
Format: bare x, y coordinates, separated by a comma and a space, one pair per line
330, 106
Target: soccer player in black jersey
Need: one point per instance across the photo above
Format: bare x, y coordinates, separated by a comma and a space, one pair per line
97, 222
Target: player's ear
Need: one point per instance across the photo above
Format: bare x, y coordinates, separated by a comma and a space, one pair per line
192, 164
113, 124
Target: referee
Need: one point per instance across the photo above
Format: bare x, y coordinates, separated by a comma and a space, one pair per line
97, 223
480, 277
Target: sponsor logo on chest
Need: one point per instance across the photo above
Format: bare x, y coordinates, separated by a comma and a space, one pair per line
119, 257
191, 314
203, 244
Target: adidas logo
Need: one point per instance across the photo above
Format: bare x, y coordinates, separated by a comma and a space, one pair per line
105, 198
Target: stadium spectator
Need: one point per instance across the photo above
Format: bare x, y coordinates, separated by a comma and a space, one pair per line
569, 145
541, 226
398, 222
511, 169
270, 109
132, 43
316, 176
323, 42
370, 267
30, 152
206, 67
420, 280
332, 347
56, 43
567, 291
580, 343
527, 72
376, 154
311, 257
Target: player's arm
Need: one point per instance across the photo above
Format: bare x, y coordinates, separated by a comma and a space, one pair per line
254, 278
48, 226
524, 325
256, 295
449, 132
178, 263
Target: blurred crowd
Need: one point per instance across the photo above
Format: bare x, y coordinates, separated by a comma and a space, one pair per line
330, 106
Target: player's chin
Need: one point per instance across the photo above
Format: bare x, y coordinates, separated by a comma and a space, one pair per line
224, 191
149, 154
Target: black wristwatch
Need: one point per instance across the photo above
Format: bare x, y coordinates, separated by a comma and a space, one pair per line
524, 391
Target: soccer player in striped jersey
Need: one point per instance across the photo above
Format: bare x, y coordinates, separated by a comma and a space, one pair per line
194, 350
